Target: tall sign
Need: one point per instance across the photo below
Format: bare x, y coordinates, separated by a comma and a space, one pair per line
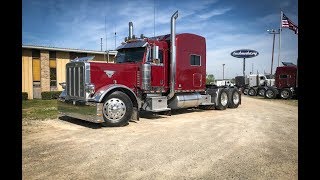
244, 53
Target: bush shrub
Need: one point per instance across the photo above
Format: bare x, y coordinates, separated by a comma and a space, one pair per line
24, 96
47, 95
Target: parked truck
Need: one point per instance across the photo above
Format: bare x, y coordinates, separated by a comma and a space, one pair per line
156, 74
282, 84
257, 83
286, 82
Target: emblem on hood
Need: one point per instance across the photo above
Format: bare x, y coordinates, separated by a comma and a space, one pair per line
109, 73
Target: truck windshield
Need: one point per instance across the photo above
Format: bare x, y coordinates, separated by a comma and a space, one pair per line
130, 55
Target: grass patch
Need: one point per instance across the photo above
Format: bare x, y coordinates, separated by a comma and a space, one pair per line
39, 109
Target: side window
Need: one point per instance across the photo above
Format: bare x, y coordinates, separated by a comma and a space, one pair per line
195, 60
53, 68
283, 76
161, 56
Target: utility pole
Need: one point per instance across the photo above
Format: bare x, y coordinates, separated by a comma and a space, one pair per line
101, 44
274, 32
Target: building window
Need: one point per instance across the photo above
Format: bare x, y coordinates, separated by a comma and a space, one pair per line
36, 66
283, 76
195, 60
53, 68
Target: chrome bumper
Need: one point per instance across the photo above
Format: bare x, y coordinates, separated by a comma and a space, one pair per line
88, 111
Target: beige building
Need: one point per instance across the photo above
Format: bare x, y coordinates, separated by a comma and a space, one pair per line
43, 68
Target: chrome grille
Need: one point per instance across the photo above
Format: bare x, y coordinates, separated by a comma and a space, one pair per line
75, 79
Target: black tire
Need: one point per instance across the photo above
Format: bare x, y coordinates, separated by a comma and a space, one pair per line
222, 100
252, 92
234, 98
245, 91
122, 113
285, 94
261, 92
270, 94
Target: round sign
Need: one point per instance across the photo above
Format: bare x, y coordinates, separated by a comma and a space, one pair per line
244, 53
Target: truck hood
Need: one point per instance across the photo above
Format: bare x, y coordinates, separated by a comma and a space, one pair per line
102, 74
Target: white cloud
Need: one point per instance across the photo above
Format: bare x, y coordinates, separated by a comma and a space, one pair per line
214, 12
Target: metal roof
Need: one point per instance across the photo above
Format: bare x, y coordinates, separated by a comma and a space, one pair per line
68, 49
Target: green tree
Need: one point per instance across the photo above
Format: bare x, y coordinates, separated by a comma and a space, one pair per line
209, 79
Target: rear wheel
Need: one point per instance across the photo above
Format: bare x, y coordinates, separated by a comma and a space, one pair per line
261, 92
285, 94
117, 109
222, 101
270, 94
252, 92
234, 98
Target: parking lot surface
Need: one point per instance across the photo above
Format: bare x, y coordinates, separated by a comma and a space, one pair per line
258, 140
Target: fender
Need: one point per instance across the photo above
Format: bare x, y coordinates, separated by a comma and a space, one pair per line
102, 92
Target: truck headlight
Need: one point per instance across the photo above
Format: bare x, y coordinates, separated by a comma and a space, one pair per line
90, 88
63, 84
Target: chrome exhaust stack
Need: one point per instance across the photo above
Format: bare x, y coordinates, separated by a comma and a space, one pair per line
130, 30
173, 54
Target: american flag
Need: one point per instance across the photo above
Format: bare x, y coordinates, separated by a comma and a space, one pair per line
287, 23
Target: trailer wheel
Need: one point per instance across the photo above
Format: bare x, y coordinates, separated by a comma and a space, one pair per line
252, 92
261, 92
117, 109
234, 98
222, 101
245, 91
285, 94
270, 94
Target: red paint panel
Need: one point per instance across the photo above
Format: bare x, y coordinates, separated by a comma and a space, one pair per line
197, 80
290, 81
188, 76
157, 76
125, 74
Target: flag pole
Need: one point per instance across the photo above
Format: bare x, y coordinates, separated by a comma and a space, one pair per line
280, 29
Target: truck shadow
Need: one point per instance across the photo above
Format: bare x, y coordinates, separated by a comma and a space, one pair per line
151, 115
81, 122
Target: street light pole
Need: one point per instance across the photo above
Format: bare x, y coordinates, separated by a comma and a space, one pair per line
274, 32
223, 71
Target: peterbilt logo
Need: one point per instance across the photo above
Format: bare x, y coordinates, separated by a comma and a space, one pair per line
109, 73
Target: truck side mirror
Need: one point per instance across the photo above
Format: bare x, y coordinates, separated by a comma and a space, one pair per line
155, 52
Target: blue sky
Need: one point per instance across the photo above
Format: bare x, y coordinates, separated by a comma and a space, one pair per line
226, 25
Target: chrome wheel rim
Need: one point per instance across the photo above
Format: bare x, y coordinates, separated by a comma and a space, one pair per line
261, 92
114, 109
284, 94
269, 94
245, 91
251, 92
224, 98
235, 98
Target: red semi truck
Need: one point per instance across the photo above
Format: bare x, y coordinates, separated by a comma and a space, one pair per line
154, 74
285, 85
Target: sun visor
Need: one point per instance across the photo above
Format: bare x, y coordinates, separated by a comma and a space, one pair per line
135, 44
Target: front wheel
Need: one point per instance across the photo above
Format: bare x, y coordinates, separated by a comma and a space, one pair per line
117, 109
245, 91
252, 92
